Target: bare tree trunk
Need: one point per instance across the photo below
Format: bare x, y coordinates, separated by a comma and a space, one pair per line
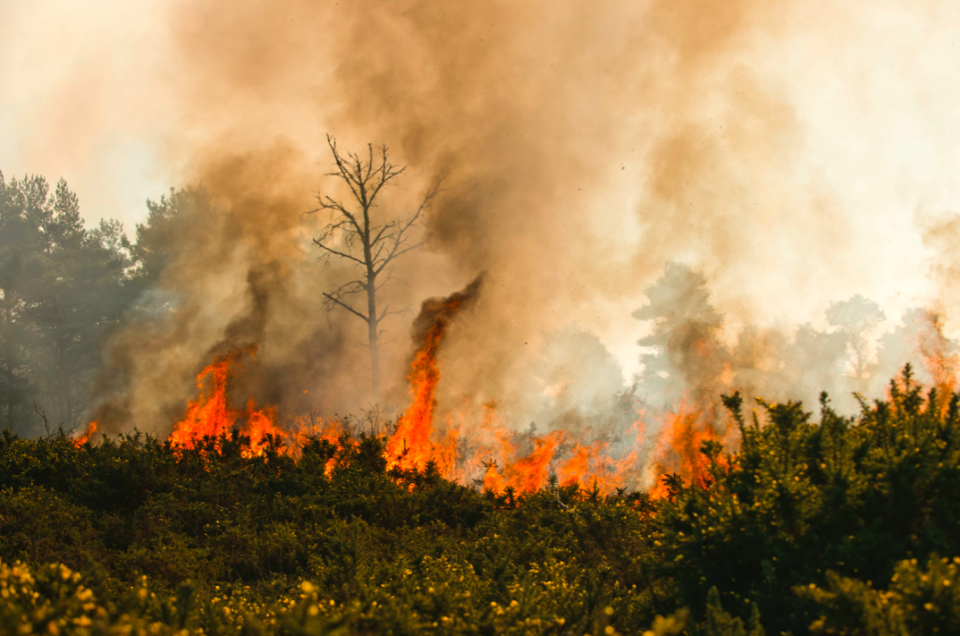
375, 362
373, 333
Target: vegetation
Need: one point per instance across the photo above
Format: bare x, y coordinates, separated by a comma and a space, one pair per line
62, 287
279, 543
843, 525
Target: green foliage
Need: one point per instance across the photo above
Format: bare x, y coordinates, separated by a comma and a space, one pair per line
852, 495
795, 527
917, 602
717, 622
62, 287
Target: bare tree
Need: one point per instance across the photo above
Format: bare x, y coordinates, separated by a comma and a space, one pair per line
368, 241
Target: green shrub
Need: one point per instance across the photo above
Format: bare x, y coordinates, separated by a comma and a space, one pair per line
917, 602
852, 495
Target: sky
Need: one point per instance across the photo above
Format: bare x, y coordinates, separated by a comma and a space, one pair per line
82, 97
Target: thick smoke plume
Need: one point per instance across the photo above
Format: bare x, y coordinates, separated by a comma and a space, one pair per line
584, 150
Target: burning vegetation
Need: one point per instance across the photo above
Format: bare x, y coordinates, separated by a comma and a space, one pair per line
462, 446
666, 202
788, 533
657, 448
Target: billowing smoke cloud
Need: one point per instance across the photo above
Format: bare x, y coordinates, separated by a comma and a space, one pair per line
581, 149
235, 272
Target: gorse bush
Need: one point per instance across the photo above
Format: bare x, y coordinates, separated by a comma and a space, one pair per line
373, 550
917, 601
811, 526
849, 495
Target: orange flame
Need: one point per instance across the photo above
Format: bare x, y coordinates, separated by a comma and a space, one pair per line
473, 447
306, 427
529, 473
260, 425
210, 415
83, 439
411, 445
940, 357
591, 467
678, 450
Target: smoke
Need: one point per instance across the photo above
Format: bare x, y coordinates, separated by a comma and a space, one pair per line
235, 272
582, 148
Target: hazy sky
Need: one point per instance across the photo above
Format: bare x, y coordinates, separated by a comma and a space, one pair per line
81, 97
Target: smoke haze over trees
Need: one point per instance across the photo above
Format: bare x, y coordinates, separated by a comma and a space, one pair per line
63, 288
710, 234
76, 299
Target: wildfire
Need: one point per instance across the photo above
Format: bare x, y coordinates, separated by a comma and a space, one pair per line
83, 439
590, 466
496, 457
679, 446
939, 355
411, 446
416, 442
466, 446
529, 473
210, 415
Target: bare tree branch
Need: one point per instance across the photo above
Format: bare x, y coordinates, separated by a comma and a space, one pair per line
337, 301
336, 253
364, 239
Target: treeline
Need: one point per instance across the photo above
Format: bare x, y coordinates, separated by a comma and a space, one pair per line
63, 287
826, 525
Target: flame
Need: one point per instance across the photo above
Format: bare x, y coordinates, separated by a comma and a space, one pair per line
470, 446
492, 479
83, 439
210, 415
678, 450
529, 474
582, 463
307, 427
590, 466
411, 445
463, 449
260, 427
940, 357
